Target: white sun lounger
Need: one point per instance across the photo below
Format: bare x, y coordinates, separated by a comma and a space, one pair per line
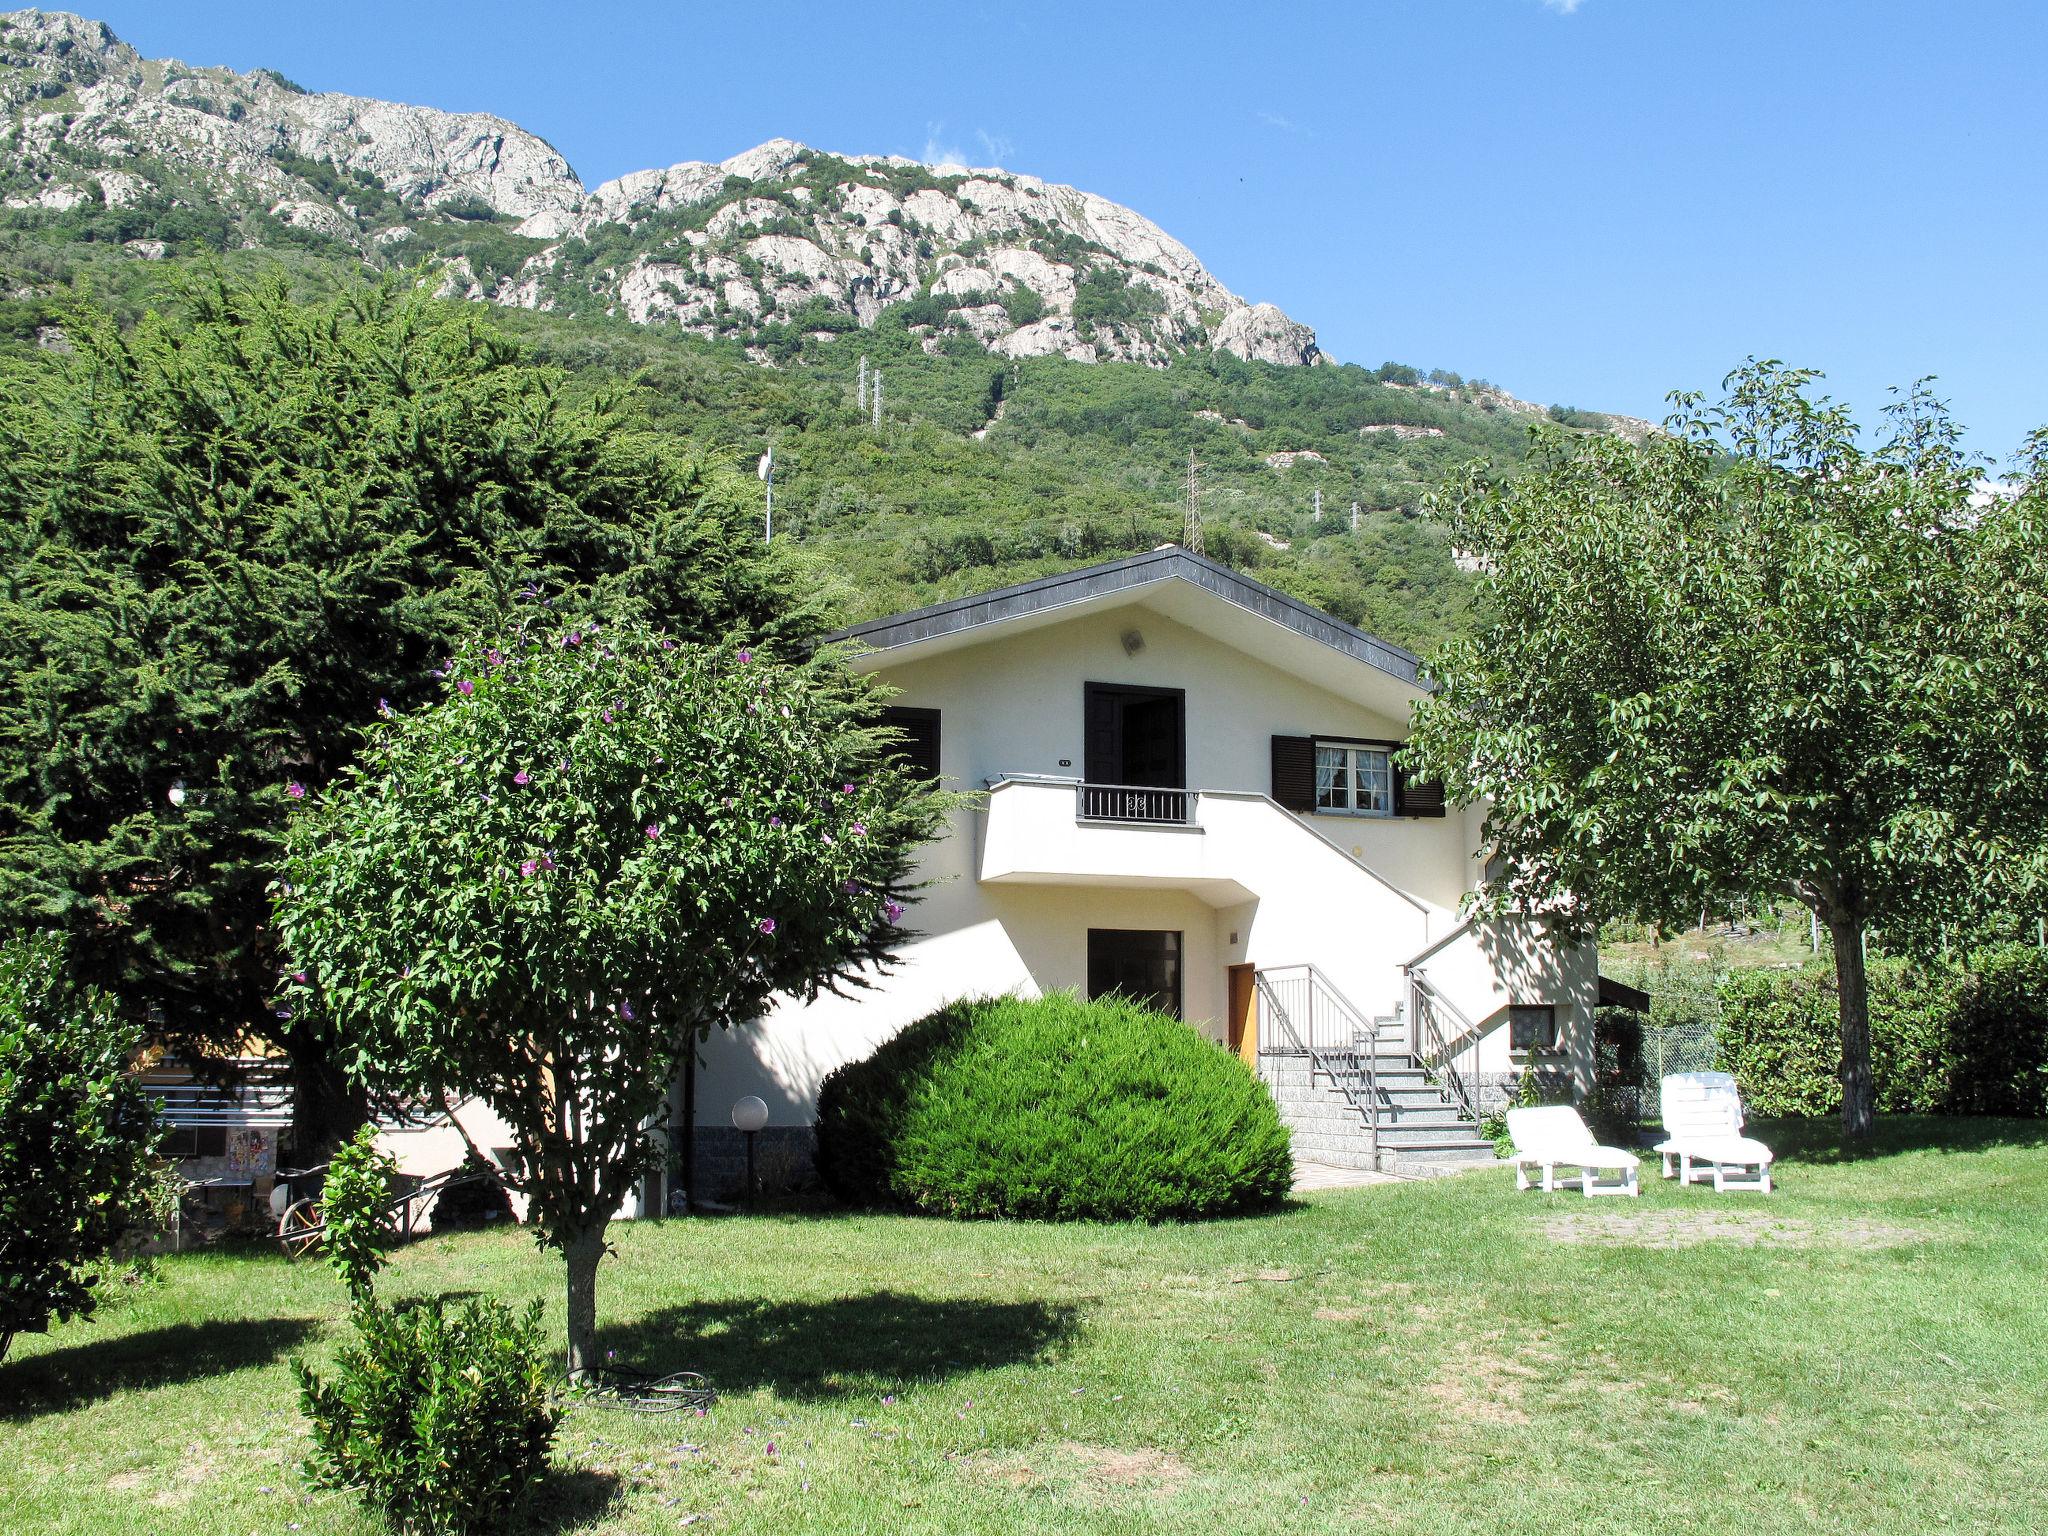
1703, 1131
1553, 1135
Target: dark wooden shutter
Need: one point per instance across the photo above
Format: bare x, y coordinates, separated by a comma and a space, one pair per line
919, 748
1102, 746
1294, 772
1416, 797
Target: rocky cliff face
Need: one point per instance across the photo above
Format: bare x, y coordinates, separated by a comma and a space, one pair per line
768, 245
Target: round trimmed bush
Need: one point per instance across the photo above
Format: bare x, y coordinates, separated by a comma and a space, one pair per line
1055, 1109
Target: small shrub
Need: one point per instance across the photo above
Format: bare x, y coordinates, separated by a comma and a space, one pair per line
355, 1212
442, 1419
1494, 1127
76, 1135
1052, 1108
2001, 1034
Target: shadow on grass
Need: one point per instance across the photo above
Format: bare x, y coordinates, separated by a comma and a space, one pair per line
1820, 1141
569, 1500
77, 1375
819, 1349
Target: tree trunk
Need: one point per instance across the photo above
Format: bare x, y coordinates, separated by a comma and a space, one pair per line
1859, 1087
326, 1107
581, 1256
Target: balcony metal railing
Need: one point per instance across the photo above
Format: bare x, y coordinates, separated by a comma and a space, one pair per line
1135, 802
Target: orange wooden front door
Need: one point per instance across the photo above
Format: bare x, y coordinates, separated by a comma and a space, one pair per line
1244, 1017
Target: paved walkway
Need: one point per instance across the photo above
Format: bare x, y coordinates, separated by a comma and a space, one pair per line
1323, 1176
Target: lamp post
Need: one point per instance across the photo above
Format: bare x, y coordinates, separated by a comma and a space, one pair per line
748, 1116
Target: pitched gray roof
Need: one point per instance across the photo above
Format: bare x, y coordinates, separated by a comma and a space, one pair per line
1167, 564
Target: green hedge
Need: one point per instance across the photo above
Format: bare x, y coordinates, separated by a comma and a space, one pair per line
1942, 1041
1052, 1108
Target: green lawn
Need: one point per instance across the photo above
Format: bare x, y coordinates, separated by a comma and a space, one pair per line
1865, 1351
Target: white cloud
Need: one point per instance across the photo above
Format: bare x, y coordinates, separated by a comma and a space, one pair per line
997, 146
937, 151
1285, 124
1562, 7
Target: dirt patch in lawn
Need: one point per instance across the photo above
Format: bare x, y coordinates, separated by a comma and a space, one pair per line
1748, 1229
1091, 1473
1487, 1380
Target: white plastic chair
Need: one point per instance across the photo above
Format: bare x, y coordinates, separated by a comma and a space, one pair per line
1703, 1129
1552, 1135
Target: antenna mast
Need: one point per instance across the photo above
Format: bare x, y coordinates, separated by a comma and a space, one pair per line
1191, 530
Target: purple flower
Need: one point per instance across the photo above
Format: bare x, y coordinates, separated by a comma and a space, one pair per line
575, 637
284, 1013
668, 645
522, 777
852, 887
299, 977
528, 867
745, 657
607, 717
384, 708
728, 802
494, 658
774, 821
846, 789
296, 790
892, 910
465, 687
859, 829
767, 925
625, 1010
653, 832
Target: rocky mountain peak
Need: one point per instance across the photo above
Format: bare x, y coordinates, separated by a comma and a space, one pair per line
778, 241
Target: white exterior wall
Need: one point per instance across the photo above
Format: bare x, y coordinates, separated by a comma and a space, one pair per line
1256, 884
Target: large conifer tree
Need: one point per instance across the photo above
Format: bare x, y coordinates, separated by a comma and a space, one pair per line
234, 532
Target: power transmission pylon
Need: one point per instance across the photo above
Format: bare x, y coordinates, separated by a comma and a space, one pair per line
1191, 532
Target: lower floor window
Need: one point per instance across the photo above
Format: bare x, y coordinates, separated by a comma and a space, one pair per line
187, 1141
1532, 1027
1142, 964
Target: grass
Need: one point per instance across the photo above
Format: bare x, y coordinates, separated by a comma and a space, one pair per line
1865, 1351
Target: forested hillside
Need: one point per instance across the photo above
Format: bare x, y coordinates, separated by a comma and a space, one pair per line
982, 469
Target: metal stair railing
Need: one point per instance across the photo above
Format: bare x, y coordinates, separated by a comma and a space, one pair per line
1453, 1058
1312, 1015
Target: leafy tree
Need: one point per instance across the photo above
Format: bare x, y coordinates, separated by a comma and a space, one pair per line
355, 1212
599, 846
1754, 657
229, 532
75, 1138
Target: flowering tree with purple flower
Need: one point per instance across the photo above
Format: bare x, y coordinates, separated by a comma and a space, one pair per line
683, 850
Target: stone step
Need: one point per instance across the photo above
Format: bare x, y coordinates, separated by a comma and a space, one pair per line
1409, 1119
1459, 1135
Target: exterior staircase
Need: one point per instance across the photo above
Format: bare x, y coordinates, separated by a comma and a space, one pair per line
1353, 1094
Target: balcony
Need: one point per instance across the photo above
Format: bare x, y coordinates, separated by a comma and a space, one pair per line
1048, 831
1134, 803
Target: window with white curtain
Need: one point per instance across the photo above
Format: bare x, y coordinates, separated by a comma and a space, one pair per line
1353, 781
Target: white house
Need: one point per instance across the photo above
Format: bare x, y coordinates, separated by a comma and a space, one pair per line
1188, 797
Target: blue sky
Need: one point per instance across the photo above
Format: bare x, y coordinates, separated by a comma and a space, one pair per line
1588, 202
